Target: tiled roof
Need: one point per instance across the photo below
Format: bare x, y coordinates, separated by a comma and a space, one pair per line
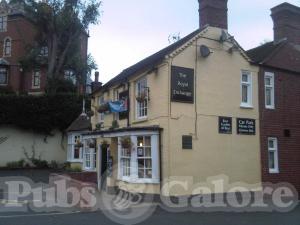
148, 62
261, 53
82, 123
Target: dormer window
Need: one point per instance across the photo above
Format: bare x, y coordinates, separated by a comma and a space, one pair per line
3, 23
7, 47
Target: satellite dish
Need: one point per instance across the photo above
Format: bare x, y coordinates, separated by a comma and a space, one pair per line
224, 36
205, 51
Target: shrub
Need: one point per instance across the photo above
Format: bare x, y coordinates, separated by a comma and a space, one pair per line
16, 164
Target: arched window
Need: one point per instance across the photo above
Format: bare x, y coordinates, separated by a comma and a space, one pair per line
7, 47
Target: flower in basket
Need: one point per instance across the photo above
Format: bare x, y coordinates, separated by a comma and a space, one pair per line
141, 97
103, 108
126, 142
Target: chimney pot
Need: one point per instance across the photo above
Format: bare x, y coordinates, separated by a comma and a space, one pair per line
213, 13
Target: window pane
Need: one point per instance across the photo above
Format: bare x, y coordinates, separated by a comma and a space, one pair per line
141, 173
148, 173
148, 152
271, 144
141, 163
147, 141
271, 160
245, 78
140, 141
268, 81
76, 153
148, 163
268, 96
245, 93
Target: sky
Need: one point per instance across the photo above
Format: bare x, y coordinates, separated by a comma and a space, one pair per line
131, 30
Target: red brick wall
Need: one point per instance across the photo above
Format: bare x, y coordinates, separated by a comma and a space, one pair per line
286, 115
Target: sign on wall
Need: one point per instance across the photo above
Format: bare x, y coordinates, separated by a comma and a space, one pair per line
245, 126
182, 85
225, 125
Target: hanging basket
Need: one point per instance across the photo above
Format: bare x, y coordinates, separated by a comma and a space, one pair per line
104, 144
141, 97
90, 113
103, 108
126, 142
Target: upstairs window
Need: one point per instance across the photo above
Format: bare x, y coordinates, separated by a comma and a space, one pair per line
3, 23
269, 91
3, 76
141, 99
246, 89
36, 79
70, 75
44, 51
273, 155
7, 47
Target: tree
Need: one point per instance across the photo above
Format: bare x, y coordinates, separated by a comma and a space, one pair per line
61, 24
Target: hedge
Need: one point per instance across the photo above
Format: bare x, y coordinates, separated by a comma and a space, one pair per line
40, 113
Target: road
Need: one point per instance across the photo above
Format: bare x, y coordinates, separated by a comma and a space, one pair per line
160, 217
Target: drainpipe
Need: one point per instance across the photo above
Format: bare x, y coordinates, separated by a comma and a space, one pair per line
128, 105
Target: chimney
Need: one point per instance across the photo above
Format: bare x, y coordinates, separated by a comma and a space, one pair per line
213, 13
96, 84
96, 76
286, 19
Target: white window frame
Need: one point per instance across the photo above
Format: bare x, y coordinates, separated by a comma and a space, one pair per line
142, 108
71, 148
133, 177
6, 72
89, 155
249, 85
70, 75
273, 149
36, 74
5, 47
272, 87
3, 23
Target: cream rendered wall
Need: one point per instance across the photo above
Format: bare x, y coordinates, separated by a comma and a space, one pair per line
217, 94
12, 148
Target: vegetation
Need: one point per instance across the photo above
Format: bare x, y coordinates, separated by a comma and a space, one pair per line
61, 26
41, 114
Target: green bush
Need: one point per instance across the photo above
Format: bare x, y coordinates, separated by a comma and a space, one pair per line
40, 113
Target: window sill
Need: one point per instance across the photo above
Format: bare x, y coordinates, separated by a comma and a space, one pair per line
76, 161
246, 106
140, 120
270, 107
3, 84
274, 171
139, 180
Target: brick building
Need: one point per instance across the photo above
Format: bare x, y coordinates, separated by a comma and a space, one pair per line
16, 35
279, 94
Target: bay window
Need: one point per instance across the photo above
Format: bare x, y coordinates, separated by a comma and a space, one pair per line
269, 91
141, 99
139, 163
74, 151
273, 155
246, 89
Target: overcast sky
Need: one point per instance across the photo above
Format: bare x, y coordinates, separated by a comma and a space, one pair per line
134, 29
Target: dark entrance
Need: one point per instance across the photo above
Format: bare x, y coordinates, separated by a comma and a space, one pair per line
103, 159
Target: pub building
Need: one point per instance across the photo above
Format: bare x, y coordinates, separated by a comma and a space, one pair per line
187, 111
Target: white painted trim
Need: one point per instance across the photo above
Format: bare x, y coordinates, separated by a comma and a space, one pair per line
276, 158
120, 134
272, 76
249, 103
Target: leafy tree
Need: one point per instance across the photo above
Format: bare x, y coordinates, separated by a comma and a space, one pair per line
61, 24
